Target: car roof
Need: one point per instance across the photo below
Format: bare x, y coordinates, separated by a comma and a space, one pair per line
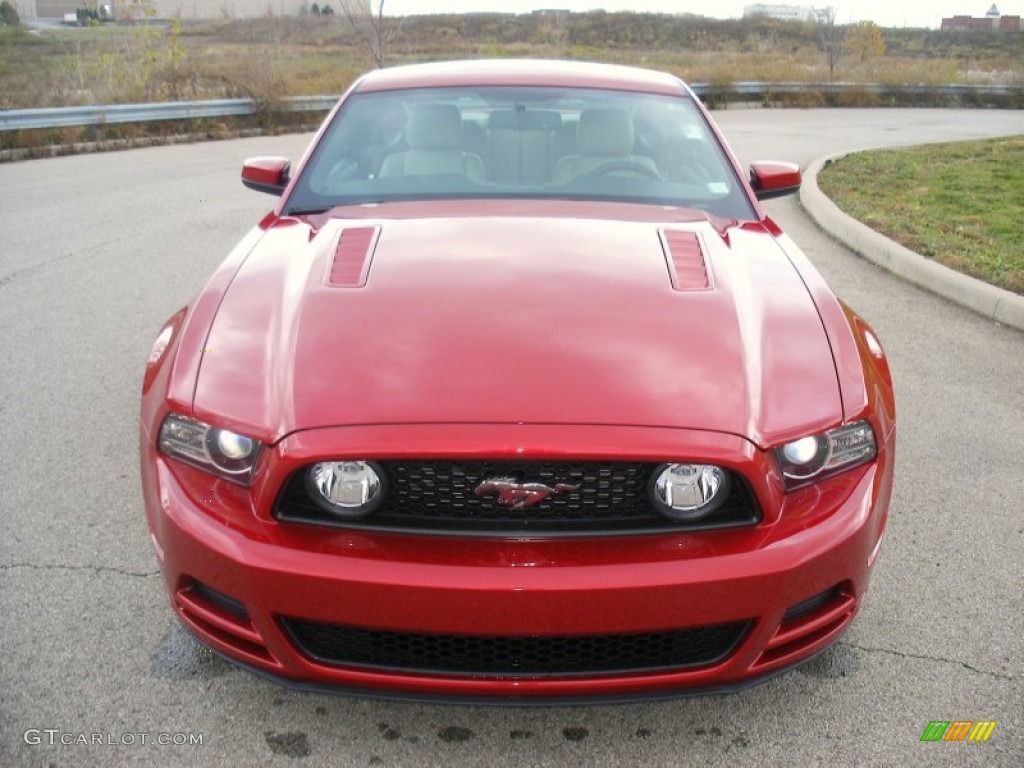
522, 72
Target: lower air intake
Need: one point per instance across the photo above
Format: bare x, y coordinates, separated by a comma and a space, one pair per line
516, 656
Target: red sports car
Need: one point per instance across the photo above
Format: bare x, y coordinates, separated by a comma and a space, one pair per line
517, 394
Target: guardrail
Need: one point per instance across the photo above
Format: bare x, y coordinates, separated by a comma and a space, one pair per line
63, 117
879, 89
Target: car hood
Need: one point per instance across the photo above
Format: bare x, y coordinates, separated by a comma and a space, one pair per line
520, 320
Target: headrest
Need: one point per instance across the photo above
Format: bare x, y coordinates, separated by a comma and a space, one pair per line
534, 120
604, 132
434, 126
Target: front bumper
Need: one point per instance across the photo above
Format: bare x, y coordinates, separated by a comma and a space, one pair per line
794, 582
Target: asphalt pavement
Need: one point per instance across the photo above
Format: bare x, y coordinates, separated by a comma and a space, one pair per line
97, 250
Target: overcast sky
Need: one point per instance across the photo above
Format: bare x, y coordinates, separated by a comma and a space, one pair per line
888, 13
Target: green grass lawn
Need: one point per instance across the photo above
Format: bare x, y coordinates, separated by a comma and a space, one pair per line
961, 204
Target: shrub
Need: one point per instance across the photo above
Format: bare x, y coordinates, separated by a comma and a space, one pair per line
8, 15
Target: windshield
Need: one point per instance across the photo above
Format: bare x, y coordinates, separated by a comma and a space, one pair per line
542, 142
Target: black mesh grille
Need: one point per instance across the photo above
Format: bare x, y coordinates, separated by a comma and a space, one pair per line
514, 656
438, 496
441, 489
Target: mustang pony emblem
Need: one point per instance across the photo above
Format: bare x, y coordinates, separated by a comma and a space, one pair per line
519, 495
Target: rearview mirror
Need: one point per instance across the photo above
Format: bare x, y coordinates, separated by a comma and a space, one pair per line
771, 179
266, 174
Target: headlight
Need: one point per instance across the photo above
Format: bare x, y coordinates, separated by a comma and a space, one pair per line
810, 459
689, 492
347, 489
220, 451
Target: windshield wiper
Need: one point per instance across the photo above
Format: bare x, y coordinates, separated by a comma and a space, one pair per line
312, 211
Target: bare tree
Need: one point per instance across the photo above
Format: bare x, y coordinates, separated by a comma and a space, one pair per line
831, 37
555, 30
374, 28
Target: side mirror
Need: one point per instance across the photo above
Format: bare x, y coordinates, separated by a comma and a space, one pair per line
266, 174
774, 179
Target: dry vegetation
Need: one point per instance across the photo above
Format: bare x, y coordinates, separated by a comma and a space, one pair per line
270, 57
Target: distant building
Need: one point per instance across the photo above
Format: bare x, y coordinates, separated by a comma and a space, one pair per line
181, 9
26, 9
55, 9
783, 12
230, 9
991, 20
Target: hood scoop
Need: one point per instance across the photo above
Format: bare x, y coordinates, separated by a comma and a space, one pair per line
351, 263
684, 255
536, 321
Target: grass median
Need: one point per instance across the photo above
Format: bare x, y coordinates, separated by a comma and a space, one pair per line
961, 204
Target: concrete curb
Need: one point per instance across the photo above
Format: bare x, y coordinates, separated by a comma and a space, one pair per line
996, 304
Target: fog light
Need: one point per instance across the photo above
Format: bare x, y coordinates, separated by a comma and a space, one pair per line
349, 489
689, 492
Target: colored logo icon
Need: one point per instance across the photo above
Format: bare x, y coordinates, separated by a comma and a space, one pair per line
958, 730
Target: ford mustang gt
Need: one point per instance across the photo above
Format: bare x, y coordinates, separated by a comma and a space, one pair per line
517, 394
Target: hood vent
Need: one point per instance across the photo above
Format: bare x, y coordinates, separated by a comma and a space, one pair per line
684, 254
352, 256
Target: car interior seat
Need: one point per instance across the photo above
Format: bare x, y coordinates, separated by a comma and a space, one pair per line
434, 145
604, 138
522, 146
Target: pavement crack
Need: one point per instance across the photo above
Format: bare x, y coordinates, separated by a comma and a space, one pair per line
925, 657
97, 569
10, 277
